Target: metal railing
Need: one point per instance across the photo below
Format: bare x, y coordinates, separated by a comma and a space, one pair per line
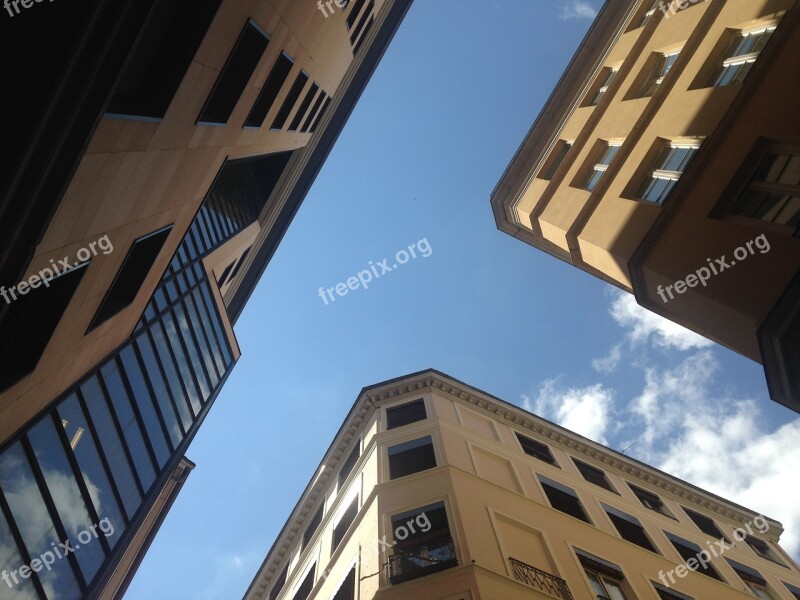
541, 580
424, 560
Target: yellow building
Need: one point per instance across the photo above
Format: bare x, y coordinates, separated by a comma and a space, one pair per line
435, 490
666, 162
154, 154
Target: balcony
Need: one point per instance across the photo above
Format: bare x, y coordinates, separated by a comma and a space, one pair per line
541, 580
421, 561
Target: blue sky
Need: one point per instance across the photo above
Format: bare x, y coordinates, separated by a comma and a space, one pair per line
444, 113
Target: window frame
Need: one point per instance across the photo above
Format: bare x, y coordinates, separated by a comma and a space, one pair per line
727, 60
408, 442
664, 509
545, 482
653, 169
608, 485
550, 460
389, 410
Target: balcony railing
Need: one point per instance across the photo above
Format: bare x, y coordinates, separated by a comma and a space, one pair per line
423, 560
541, 580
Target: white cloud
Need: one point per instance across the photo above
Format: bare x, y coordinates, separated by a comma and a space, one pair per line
609, 363
645, 325
577, 9
583, 410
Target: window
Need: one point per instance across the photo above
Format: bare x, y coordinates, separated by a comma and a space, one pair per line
762, 548
740, 56
705, 524
795, 591
422, 543
605, 578
269, 92
629, 528
669, 593
298, 117
563, 498
311, 529
662, 64
27, 323
320, 114
650, 500
239, 264
348, 589
348, 464
161, 57
604, 81
362, 27
290, 101
603, 157
354, 12
311, 113
411, 457
304, 591
345, 520
279, 583
593, 475
646, 12
773, 194
410, 412
131, 275
536, 449
665, 172
752, 579
224, 276
689, 552
557, 157
234, 75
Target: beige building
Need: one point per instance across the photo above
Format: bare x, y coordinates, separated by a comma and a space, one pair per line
434, 490
666, 162
154, 154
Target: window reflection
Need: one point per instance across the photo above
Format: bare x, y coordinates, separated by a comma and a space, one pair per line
11, 561
159, 387
173, 378
183, 364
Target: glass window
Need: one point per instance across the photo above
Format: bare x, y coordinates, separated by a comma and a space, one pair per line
290, 101
305, 588
705, 524
311, 529
604, 81
662, 64
740, 56
144, 402
345, 520
279, 583
66, 495
605, 588
411, 457
165, 405
173, 379
667, 170
603, 159
203, 343
629, 528
129, 424
112, 446
348, 464
689, 550
84, 447
194, 353
536, 449
407, 413
593, 475
10, 562
211, 306
563, 498
773, 194
196, 297
304, 105
422, 543
347, 591
182, 362
33, 521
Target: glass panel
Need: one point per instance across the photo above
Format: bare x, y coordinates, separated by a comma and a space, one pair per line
597, 587
194, 353
771, 207
209, 330
67, 497
112, 446
84, 447
183, 364
160, 390
791, 175
202, 342
10, 562
129, 424
614, 589
215, 322
144, 402
772, 167
594, 179
173, 378
34, 524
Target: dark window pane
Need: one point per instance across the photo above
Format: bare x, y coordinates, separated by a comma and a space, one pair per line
344, 523
159, 387
33, 521
563, 498
183, 363
593, 475
173, 379
422, 542
67, 498
131, 275
629, 528
279, 583
311, 529
309, 98
348, 464
690, 550
348, 589
273, 84
411, 457
310, 117
305, 588
129, 424
202, 340
28, 323
650, 500
405, 414
235, 75
705, 524
144, 403
10, 561
211, 306
190, 343
364, 35
162, 56
354, 12
205, 320
536, 449
320, 114
112, 446
289, 102
84, 447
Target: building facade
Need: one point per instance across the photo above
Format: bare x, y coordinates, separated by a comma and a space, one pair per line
666, 162
434, 490
156, 153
